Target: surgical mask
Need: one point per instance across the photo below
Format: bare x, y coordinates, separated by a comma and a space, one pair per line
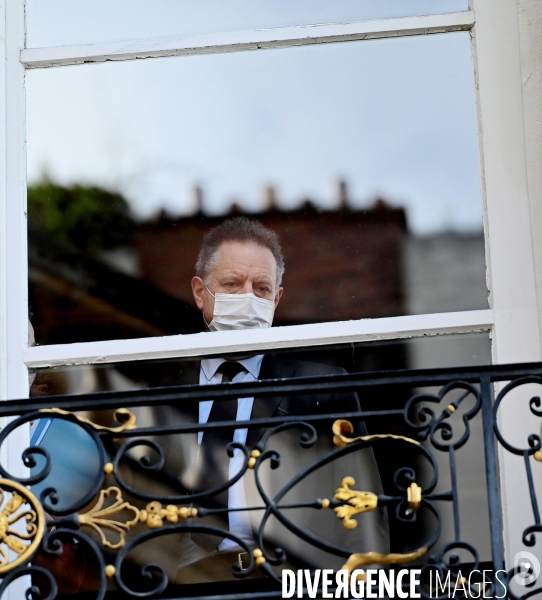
240, 311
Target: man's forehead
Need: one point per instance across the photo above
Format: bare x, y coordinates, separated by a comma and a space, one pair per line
245, 254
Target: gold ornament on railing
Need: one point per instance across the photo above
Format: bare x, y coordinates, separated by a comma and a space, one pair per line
375, 558
123, 416
100, 517
358, 502
414, 496
22, 524
155, 514
342, 427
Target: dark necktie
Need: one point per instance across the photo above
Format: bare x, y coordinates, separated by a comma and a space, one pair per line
214, 462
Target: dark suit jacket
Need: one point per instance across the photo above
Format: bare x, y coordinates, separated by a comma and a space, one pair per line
275, 368
181, 451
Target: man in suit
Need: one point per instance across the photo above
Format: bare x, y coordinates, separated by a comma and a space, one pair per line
238, 286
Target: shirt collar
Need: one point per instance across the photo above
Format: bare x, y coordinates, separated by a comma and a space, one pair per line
252, 364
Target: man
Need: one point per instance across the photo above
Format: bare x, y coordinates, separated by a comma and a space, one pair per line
238, 286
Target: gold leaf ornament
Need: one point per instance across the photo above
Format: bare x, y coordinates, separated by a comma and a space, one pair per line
101, 517
358, 502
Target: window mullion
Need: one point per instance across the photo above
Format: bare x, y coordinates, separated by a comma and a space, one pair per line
13, 307
504, 177
511, 272
13, 253
200, 344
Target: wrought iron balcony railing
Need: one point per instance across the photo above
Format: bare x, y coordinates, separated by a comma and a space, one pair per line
140, 491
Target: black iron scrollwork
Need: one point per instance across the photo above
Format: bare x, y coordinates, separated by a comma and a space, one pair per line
438, 428
113, 523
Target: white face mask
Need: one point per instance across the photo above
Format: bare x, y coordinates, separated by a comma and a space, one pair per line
240, 311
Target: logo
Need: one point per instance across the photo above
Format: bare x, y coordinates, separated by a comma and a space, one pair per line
528, 568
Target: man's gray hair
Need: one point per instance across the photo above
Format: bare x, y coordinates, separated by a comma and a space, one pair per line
237, 229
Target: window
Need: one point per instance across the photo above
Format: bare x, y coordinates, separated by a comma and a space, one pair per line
506, 184
361, 156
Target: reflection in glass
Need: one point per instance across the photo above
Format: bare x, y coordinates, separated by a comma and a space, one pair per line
453, 350
76, 455
61, 22
362, 156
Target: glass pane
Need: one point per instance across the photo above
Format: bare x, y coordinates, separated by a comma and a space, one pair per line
361, 156
61, 22
71, 490
444, 351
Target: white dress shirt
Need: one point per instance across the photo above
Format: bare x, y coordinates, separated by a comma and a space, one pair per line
239, 522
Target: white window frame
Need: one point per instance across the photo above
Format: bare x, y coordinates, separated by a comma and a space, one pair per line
512, 317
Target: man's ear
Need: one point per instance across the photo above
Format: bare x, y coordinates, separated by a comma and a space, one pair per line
198, 289
278, 296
